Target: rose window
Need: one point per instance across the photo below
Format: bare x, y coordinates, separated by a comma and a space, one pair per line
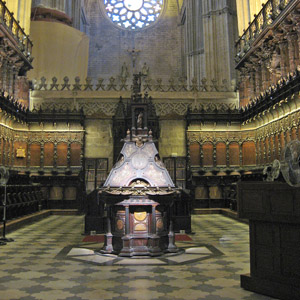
133, 14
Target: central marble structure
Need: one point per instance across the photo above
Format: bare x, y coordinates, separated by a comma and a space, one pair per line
139, 193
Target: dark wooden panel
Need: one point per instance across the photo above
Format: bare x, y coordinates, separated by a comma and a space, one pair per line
62, 149
208, 154
282, 202
75, 154
249, 153
35, 154
234, 154
48, 154
252, 201
290, 263
195, 154
264, 234
265, 262
221, 154
290, 235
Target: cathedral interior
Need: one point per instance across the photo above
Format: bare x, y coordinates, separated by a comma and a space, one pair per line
212, 86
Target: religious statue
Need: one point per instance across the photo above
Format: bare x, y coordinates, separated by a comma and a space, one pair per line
145, 70
139, 121
133, 53
124, 71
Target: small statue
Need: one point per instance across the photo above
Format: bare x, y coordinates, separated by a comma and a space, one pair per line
139, 121
124, 71
145, 70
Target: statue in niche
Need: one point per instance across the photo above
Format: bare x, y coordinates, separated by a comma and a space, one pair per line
139, 121
124, 71
145, 70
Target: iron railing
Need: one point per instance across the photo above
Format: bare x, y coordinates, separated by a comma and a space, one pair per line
13, 27
270, 12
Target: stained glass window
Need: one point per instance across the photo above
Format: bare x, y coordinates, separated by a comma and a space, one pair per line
133, 14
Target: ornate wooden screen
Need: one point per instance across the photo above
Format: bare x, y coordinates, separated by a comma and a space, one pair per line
96, 170
176, 167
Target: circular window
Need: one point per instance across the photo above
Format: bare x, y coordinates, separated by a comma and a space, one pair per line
133, 14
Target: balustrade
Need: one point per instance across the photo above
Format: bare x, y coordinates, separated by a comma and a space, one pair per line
264, 19
12, 25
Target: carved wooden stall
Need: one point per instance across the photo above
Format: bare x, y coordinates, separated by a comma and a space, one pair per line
55, 155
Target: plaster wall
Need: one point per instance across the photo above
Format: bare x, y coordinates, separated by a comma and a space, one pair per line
59, 50
172, 138
22, 11
98, 139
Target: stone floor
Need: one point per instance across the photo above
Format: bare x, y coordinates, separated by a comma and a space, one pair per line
48, 260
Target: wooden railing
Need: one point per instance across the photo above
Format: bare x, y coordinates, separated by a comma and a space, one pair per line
12, 25
270, 12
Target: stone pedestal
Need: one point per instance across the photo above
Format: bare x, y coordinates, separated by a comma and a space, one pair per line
139, 227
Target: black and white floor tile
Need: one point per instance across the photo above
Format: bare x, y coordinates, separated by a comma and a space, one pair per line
49, 261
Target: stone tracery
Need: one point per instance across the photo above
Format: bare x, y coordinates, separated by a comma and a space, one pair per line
133, 14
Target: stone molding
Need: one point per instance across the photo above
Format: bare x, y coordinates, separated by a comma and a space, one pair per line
124, 84
107, 106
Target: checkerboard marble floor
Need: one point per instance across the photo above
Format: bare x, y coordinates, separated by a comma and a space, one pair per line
38, 265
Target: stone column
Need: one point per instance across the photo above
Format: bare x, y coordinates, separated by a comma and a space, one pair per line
127, 221
171, 246
108, 247
153, 219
